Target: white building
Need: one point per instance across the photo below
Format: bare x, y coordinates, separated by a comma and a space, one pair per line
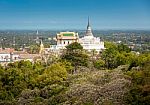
63, 39
89, 42
5, 57
10, 55
6, 54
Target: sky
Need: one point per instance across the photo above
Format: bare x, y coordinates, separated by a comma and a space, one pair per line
73, 14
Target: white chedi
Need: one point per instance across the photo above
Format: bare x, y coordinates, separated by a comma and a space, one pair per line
89, 42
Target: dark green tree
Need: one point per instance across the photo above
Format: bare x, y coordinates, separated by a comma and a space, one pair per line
123, 48
74, 46
74, 54
110, 56
139, 91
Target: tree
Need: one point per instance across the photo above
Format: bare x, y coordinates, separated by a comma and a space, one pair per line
122, 47
74, 46
21, 80
67, 65
99, 64
121, 59
34, 49
109, 56
75, 55
110, 45
54, 74
139, 91
116, 55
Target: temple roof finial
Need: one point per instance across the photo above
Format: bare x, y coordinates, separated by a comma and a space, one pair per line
88, 21
89, 30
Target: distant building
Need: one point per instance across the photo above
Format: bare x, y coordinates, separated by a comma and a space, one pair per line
6, 54
89, 42
5, 57
63, 39
29, 57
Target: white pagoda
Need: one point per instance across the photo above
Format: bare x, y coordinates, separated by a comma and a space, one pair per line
89, 42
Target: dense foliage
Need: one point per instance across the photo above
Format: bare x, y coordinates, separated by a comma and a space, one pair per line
117, 76
23, 76
139, 93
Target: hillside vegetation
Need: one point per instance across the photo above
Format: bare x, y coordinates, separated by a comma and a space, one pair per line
115, 77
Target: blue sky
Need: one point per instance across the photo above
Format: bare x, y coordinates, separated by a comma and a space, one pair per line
73, 14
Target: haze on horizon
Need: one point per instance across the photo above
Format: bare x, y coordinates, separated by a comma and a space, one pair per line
72, 14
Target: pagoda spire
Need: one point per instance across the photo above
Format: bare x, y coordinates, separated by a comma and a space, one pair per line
88, 22
89, 30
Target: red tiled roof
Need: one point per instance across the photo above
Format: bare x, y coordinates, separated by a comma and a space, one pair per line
29, 56
6, 50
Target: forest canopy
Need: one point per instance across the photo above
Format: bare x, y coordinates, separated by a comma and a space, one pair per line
117, 76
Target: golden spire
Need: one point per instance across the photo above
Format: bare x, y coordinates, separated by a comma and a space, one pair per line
41, 48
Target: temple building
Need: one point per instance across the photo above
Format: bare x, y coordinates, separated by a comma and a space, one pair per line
63, 39
89, 42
